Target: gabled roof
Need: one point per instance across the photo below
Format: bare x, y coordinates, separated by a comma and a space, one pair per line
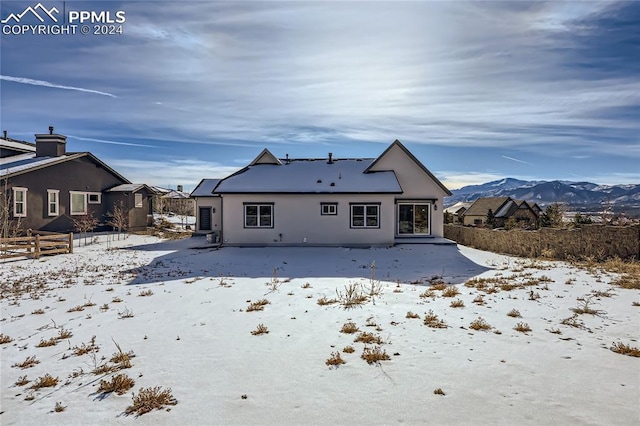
481, 206
457, 206
310, 176
131, 187
25, 163
16, 146
398, 144
205, 188
266, 157
174, 194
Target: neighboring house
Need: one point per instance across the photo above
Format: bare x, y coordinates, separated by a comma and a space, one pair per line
457, 211
359, 202
179, 202
48, 187
502, 208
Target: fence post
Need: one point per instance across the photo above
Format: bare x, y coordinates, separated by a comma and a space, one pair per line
37, 248
71, 243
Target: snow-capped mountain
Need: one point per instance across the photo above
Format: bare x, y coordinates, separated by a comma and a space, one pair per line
580, 196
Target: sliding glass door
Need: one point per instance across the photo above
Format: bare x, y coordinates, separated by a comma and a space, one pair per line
413, 219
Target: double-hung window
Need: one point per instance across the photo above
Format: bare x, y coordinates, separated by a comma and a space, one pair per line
19, 202
78, 201
53, 202
258, 215
365, 215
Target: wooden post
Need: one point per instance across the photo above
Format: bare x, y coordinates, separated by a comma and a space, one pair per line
28, 240
37, 252
71, 243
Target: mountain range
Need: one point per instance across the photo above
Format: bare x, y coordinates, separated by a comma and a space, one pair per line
577, 196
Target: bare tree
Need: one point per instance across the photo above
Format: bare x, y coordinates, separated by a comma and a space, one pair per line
9, 227
183, 207
85, 223
118, 218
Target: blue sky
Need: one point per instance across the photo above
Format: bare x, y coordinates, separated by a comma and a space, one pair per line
477, 90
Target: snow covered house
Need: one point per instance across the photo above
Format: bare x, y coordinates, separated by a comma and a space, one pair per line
46, 187
358, 201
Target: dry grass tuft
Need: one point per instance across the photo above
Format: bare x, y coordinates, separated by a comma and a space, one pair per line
438, 285
306, 285
450, 291
368, 338
522, 327
374, 355
78, 308
324, 301
352, 296
349, 328
46, 381
584, 306
514, 313
439, 391
348, 350
479, 300
573, 321
479, 324
116, 300
431, 320
50, 342
59, 407
261, 329
458, 303
29, 362
145, 293
635, 303
334, 360
119, 384
64, 334
4, 339
126, 313
258, 305
86, 348
621, 348
22, 380
427, 294
38, 312
412, 315
149, 399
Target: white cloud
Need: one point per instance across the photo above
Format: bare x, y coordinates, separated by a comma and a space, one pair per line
24, 80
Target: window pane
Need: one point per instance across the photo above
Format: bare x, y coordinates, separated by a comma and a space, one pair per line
251, 210
77, 203
251, 220
138, 200
357, 210
372, 210
265, 220
19, 196
372, 221
265, 210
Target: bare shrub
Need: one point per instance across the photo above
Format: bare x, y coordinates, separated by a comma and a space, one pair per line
479, 324
514, 313
149, 399
374, 287
349, 328
29, 362
46, 381
352, 296
126, 313
4, 339
334, 360
623, 349
261, 329
145, 293
118, 218
431, 320
64, 334
584, 306
522, 327
412, 315
119, 384
458, 303
86, 348
450, 291
439, 391
374, 355
22, 380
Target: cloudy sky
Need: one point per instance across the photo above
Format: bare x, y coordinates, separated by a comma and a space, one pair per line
477, 90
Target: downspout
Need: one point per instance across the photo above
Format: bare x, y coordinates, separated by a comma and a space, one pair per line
221, 220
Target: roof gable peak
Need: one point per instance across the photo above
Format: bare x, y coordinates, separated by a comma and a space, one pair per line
266, 157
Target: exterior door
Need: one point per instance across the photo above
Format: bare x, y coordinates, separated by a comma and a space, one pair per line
204, 216
413, 219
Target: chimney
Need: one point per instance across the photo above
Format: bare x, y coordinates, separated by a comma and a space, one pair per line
4, 132
50, 145
180, 188
330, 158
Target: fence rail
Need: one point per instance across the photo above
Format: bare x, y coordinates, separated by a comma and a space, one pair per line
36, 244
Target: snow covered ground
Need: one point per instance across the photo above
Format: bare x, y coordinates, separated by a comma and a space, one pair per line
191, 332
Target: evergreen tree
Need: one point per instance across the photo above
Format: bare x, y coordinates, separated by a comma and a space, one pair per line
491, 219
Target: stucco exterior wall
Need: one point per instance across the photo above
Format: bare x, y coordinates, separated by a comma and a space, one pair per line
215, 203
415, 183
297, 220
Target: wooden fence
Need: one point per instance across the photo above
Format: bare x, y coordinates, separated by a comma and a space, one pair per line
35, 244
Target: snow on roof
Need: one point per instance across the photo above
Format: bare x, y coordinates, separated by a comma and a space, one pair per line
174, 194
205, 188
127, 187
311, 176
19, 145
457, 206
22, 162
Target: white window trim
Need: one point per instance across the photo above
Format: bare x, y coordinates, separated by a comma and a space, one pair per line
57, 203
86, 198
258, 206
24, 201
331, 209
365, 205
94, 193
